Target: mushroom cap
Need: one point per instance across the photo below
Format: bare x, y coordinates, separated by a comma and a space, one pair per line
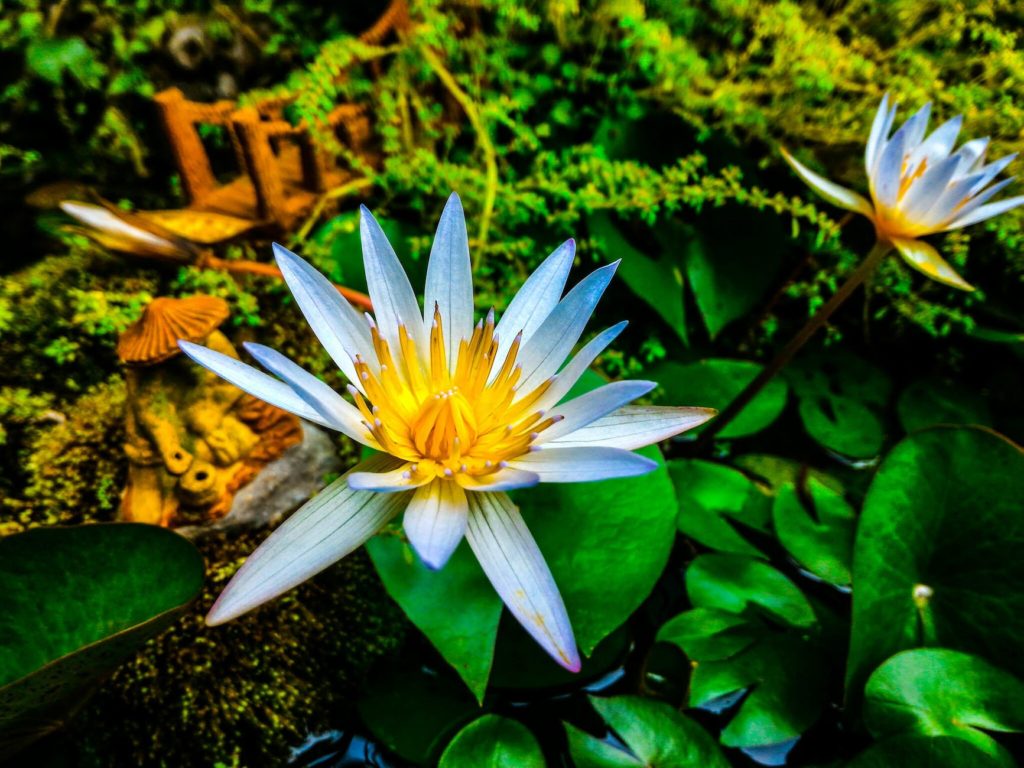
154, 337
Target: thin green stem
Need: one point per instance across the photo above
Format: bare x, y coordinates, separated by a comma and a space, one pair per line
862, 273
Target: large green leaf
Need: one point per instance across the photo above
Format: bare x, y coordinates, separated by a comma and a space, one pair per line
938, 692
937, 558
840, 397
930, 402
817, 530
658, 282
76, 603
495, 742
655, 734
734, 583
927, 752
714, 383
711, 497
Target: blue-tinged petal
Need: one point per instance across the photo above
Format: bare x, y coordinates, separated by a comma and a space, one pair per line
830, 191
888, 175
925, 259
256, 383
543, 354
928, 189
880, 128
533, 303
566, 378
987, 211
939, 144
964, 213
435, 521
506, 479
394, 302
100, 219
916, 126
331, 525
449, 279
342, 330
513, 563
972, 154
319, 395
582, 464
634, 426
401, 478
591, 406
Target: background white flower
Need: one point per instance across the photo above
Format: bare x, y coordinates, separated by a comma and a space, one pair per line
460, 414
919, 186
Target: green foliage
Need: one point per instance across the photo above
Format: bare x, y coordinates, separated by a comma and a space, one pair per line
817, 529
493, 741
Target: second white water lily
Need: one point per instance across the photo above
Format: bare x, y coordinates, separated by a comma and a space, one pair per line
919, 186
460, 414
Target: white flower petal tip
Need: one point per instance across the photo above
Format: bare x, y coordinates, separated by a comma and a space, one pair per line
331, 525
402, 478
583, 464
515, 566
435, 521
925, 259
828, 190
636, 426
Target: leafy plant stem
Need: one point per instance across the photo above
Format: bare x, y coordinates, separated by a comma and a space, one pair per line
770, 371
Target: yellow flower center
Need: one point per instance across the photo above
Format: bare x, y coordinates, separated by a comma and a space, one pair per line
470, 421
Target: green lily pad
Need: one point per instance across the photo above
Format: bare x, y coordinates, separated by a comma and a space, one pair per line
840, 397
78, 602
658, 282
930, 402
711, 497
775, 472
493, 741
714, 383
753, 638
927, 752
819, 537
938, 692
653, 732
937, 557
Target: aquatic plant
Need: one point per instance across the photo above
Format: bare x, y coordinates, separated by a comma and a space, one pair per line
462, 415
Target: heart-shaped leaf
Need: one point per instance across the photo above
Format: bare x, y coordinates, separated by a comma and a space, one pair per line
77, 602
651, 733
937, 557
714, 383
818, 531
496, 742
934, 691
927, 752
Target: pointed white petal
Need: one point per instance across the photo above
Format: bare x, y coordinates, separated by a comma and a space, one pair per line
533, 303
340, 328
988, 172
401, 478
928, 189
346, 417
885, 182
951, 203
583, 464
967, 214
879, 132
435, 521
546, 350
922, 257
939, 144
634, 426
987, 212
591, 406
449, 279
830, 191
99, 218
972, 154
256, 383
566, 378
331, 525
394, 302
506, 479
515, 566
916, 126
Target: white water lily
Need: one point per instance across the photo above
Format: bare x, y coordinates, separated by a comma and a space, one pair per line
459, 413
919, 186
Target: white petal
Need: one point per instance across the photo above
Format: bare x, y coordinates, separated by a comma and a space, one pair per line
546, 350
939, 144
401, 478
634, 426
256, 383
533, 303
331, 525
435, 521
506, 479
515, 566
394, 303
885, 182
319, 395
922, 257
928, 189
952, 201
880, 127
570, 374
583, 464
450, 280
99, 218
967, 214
916, 126
340, 328
591, 406
988, 172
830, 191
987, 212
972, 154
